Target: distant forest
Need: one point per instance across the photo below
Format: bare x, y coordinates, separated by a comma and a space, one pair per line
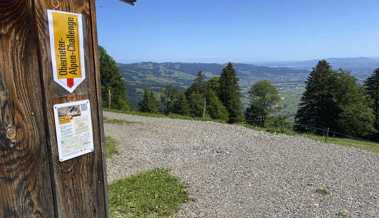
333, 100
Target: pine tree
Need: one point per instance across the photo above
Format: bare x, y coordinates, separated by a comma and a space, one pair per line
317, 108
168, 98
214, 84
264, 100
229, 93
149, 104
372, 89
113, 89
356, 117
215, 109
334, 100
196, 95
181, 105
196, 102
198, 85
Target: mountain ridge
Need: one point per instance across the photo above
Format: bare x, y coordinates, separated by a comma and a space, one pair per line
156, 76
360, 67
286, 75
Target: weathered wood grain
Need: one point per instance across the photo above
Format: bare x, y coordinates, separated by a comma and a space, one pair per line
79, 183
25, 185
99, 112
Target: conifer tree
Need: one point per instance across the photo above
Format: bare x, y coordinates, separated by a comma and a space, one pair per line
334, 100
196, 102
174, 101
196, 95
317, 108
372, 89
199, 85
149, 104
356, 117
181, 105
113, 88
215, 109
214, 85
168, 98
229, 93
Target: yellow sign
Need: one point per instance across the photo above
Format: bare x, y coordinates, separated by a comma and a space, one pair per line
66, 34
66, 41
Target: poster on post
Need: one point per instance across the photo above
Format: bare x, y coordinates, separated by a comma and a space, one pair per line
73, 126
67, 48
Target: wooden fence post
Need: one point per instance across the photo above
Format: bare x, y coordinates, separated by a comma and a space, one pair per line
34, 181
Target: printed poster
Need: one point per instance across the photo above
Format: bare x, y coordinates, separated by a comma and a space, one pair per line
67, 49
73, 126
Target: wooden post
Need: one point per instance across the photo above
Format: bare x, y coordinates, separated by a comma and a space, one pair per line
109, 98
204, 108
327, 134
33, 181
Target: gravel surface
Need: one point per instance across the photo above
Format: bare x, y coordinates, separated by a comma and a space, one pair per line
232, 171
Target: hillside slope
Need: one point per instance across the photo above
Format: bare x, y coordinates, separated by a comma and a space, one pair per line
158, 75
232, 171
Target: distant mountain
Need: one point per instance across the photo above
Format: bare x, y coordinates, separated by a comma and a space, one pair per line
158, 75
288, 77
360, 67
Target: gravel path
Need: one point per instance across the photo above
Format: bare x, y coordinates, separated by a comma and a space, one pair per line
235, 172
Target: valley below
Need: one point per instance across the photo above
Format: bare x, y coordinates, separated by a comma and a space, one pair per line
288, 77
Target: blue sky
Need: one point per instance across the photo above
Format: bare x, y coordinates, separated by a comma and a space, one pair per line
238, 30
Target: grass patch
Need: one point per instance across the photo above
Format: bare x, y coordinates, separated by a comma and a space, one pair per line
111, 146
154, 193
343, 213
323, 191
117, 121
352, 143
272, 130
347, 142
158, 115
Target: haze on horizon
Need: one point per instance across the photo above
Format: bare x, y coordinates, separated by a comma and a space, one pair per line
247, 31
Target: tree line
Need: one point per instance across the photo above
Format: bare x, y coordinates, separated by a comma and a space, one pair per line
333, 100
217, 98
